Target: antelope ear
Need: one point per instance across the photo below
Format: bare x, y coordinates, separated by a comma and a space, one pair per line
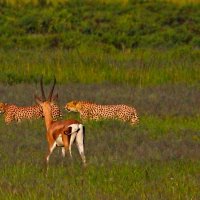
55, 97
38, 100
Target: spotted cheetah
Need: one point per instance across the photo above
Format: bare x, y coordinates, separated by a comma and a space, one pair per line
93, 111
17, 113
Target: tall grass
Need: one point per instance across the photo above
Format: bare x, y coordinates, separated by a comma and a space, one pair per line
140, 67
170, 180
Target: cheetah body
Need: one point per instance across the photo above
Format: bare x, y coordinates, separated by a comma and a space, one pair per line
92, 111
17, 113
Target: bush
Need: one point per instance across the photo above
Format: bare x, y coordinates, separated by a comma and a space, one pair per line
29, 22
131, 25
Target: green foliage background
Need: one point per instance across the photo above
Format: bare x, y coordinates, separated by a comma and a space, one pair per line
127, 42
113, 25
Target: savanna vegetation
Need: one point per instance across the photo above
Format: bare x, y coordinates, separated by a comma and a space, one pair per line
133, 42
158, 159
141, 53
89, 23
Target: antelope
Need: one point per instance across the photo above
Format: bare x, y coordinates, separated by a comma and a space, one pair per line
60, 133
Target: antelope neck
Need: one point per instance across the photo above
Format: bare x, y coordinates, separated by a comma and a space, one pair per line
48, 118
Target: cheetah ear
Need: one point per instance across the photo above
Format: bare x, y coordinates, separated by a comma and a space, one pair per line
75, 102
78, 106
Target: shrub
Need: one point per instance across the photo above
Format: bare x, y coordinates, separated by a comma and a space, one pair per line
131, 25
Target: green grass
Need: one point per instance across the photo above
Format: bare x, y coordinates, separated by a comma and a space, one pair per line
157, 127
142, 43
117, 169
142, 67
170, 180
157, 159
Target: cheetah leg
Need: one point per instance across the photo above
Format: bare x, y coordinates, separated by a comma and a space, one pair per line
85, 117
19, 120
8, 119
134, 120
123, 119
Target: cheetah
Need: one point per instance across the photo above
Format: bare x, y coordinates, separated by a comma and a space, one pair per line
93, 111
17, 113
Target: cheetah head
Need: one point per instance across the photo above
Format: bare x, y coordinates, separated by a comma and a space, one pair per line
73, 106
2, 107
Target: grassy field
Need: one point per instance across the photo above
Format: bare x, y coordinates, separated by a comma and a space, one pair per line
141, 67
141, 44
158, 159
141, 53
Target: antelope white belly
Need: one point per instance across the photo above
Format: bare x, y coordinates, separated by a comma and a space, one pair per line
59, 141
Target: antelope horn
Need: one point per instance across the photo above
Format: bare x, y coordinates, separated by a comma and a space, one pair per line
52, 89
42, 89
